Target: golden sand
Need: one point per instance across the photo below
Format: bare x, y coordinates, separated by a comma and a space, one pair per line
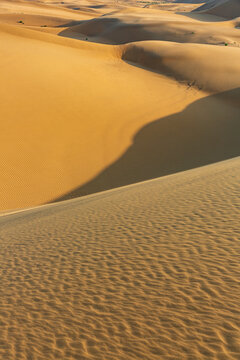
98, 98
149, 271
71, 108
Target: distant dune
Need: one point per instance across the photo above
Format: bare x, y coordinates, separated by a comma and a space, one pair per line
121, 27
228, 9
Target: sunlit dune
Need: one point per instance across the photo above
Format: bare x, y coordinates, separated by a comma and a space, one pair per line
57, 141
119, 180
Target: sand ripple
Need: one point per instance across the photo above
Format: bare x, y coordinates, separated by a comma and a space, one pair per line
149, 271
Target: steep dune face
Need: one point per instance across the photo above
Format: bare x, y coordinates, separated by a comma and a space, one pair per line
228, 9
148, 271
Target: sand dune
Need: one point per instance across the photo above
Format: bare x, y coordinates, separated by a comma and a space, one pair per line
71, 131
36, 14
220, 74
136, 25
205, 132
97, 98
229, 9
172, 6
35, 8
149, 271
54, 130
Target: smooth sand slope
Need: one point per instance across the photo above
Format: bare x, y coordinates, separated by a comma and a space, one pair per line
71, 109
149, 271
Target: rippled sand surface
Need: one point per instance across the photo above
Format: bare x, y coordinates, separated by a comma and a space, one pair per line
149, 271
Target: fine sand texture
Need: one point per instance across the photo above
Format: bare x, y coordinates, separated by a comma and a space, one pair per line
119, 180
149, 271
80, 84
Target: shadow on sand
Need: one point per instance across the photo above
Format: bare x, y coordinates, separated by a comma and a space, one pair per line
207, 131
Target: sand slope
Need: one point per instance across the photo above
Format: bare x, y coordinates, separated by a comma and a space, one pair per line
149, 271
69, 129
220, 74
58, 141
135, 24
105, 95
228, 9
207, 131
